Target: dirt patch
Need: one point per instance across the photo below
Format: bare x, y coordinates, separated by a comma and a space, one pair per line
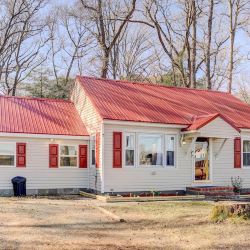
76, 223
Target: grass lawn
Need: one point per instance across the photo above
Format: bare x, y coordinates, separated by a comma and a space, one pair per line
53, 223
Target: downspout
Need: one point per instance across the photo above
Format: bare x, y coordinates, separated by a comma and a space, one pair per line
102, 150
89, 160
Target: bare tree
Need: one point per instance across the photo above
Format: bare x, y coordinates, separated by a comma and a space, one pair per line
70, 42
238, 13
177, 34
244, 91
213, 46
23, 36
134, 57
102, 14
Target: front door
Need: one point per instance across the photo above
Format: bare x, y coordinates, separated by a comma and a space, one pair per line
202, 160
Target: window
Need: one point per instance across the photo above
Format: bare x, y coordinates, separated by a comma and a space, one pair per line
93, 150
170, 150
130, 149
68, 156
150, 149
7, 154
246, 153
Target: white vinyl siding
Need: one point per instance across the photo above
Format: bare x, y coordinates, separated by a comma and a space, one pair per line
179, 177
93, 123
37, 171
129, 179
218, 128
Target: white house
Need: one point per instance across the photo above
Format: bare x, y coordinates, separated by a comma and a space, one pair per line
119, 136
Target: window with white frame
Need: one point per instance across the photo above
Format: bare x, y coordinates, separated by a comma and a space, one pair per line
150, 149
68, 156
129, 149
170, 150
93, 150
7, 154
246, 153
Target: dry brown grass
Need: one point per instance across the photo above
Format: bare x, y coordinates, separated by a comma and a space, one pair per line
76, 224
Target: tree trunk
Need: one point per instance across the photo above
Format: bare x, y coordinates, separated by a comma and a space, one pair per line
208, 51
231, 57
193, 54
105, 63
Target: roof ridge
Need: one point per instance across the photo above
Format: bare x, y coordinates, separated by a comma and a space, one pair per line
152, 84
36, 98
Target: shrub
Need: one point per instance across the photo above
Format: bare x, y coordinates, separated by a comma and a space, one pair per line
236, 183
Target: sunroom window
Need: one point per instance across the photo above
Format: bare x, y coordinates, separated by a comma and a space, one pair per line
246, 153
130, 149
68, 156
170, 150
7, 154
150, 149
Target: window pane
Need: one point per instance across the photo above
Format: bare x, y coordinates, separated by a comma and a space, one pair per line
68, 150
93, 144
129, 157
246, 159
150, 150
170, 158
246, 146
7, 149
6, 160
93, 157
130, 141
170, 143
68, 161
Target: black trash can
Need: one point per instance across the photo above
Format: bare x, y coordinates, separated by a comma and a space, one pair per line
19, 186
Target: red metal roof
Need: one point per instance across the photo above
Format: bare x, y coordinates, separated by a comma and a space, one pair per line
39, 116
201, 121
140, 102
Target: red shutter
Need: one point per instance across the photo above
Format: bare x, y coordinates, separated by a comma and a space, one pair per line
237, 152
21, 155
53, 155
97, 150
117, 150
83, 156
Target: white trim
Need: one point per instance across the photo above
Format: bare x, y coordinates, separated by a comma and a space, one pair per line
9, 166
244, 130
210, 152
77, 156
189, 132
44, 136
91, 142
124, 149
136, 150
242, 164
146, 124
166, 149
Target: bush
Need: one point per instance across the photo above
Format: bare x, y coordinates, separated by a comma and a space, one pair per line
236, 183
